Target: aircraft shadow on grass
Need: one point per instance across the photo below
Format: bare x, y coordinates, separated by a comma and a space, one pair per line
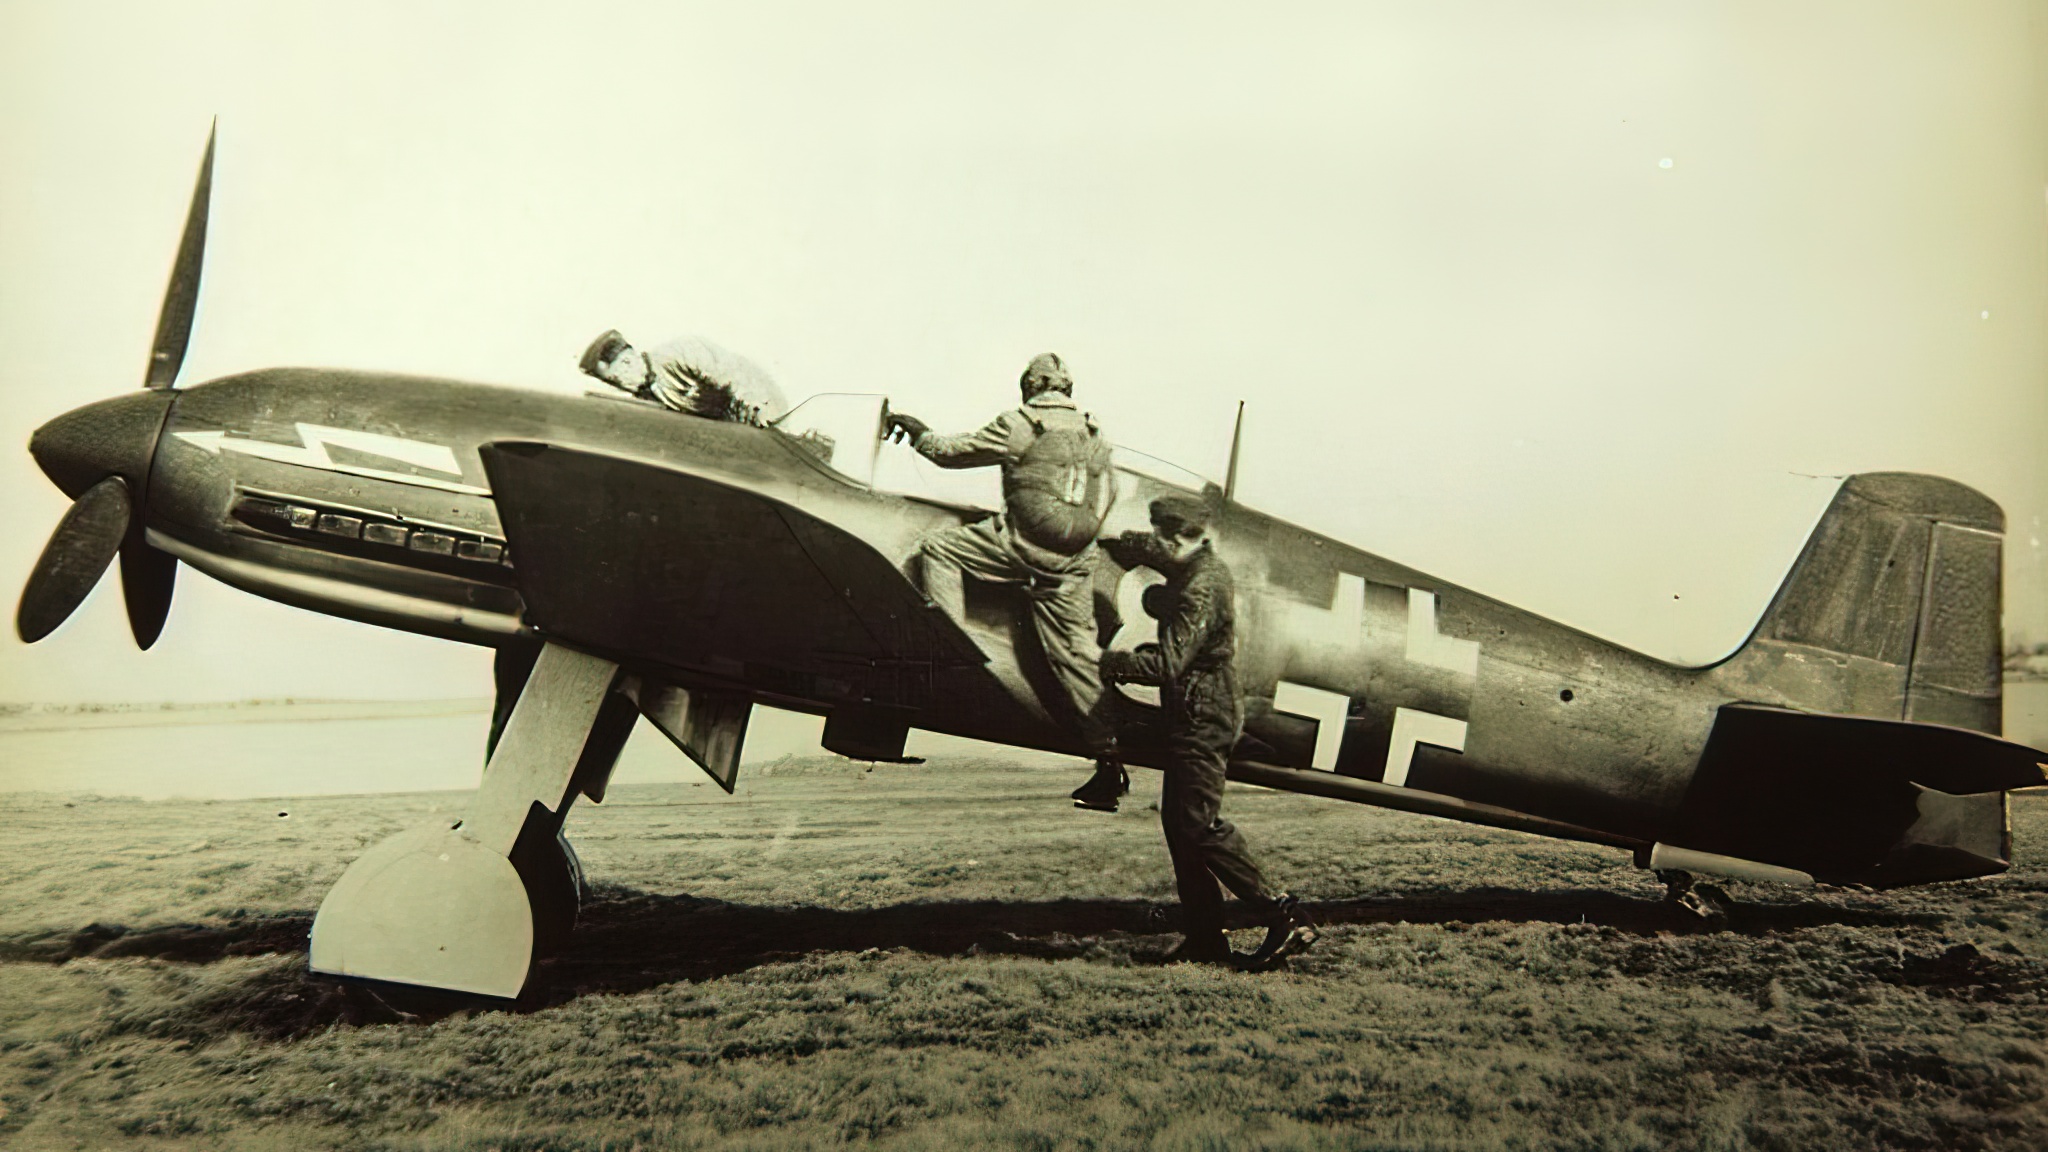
668, 938
629, 941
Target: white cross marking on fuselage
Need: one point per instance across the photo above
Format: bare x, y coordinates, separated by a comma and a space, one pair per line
1412, 727
1343, 629
1428, 646
1137, 627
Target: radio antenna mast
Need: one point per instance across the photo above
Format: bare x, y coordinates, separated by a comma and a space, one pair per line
1236, 439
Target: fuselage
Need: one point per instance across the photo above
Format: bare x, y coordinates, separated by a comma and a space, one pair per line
364, 496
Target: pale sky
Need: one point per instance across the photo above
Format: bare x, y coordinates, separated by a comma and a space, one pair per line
1579, 306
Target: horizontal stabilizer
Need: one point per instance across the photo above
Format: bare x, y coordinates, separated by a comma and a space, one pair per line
1849, 799
1958, 761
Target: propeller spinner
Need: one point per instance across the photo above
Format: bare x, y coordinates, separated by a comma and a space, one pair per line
100, 455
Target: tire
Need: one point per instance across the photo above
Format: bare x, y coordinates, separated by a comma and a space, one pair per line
553, 876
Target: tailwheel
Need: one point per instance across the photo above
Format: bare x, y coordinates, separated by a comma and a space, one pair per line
1706, 901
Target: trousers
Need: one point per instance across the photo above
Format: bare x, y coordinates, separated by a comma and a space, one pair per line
1203, 717
1061, 591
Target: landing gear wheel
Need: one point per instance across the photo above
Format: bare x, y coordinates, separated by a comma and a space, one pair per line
417, 1004
553, 876
430, 908
430, 922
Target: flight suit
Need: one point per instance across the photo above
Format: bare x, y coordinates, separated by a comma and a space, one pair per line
1193, 666
693, 375
1060, 589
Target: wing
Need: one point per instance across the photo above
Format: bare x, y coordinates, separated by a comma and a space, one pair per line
658, 567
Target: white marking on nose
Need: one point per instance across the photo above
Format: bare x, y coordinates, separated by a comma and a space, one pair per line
311, 452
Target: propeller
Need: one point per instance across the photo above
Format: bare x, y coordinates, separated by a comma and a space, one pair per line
181, 295
101, 454
81, 548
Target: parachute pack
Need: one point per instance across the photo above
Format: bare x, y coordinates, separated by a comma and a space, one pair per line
1058, 490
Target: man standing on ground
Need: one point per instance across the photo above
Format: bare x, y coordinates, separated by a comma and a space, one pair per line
1193, 667
1057, 488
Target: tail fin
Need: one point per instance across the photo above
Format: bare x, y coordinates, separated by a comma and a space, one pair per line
1892, 610
1891, 614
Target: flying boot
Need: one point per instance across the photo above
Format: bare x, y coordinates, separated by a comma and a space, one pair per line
1202, 948
1288, 933
1104, 789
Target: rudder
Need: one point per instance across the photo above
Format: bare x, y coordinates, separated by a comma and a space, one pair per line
1903, 578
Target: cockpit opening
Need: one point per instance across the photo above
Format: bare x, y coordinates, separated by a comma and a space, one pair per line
844, 431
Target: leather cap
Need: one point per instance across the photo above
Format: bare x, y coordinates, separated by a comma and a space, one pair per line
1045, 373
601, 349
1180, 515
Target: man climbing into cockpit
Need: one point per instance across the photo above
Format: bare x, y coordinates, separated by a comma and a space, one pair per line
1057, 488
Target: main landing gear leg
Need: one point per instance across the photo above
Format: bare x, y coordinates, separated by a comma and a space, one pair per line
469, 908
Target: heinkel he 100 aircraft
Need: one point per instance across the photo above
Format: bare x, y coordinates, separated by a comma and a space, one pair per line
687, 569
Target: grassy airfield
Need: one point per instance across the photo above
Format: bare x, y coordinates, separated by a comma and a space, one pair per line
950, 957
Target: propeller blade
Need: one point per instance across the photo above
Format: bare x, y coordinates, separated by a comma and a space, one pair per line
78, 552
181, 297
147, 577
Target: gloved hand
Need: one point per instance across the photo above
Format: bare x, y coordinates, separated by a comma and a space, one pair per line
1121, 667
1132, 549
902, 427
1157, 601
